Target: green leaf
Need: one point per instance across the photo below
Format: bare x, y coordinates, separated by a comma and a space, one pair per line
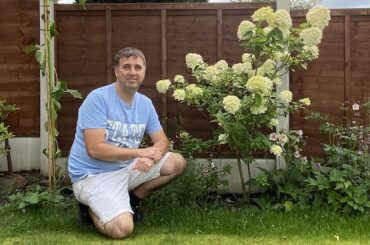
32, 198
53, 29
31, 48
40, 57
75, 93
82, 3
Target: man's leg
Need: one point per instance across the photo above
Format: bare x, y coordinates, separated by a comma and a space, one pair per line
173, 166
118, 228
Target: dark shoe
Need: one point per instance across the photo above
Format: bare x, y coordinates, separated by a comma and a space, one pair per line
136, 206
84, 216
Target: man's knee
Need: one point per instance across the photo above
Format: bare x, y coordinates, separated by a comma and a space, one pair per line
180, 163
120, 227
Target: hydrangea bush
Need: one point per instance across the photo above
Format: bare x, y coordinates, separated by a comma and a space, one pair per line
242, 98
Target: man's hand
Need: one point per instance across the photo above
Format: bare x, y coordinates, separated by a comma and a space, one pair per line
143, 164
153, 153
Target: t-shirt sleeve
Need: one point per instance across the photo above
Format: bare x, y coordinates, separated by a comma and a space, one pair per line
153, 122
93, 113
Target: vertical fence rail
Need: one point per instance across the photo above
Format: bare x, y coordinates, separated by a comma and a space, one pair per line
347, 66
108, 44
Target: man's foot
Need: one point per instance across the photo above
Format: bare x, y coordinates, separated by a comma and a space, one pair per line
83, 215
136, 206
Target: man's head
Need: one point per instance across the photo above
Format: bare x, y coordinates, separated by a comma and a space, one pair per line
129, 68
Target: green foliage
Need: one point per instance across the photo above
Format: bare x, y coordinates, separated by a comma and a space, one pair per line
194, 187
5, 109
36, 198
340, 181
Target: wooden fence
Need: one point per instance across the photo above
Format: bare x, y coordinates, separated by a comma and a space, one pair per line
88, 39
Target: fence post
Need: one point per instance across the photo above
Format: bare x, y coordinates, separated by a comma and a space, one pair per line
283, 121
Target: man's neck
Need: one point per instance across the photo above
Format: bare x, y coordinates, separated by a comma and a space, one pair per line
126, 96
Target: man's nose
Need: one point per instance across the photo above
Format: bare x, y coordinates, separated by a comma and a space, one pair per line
132, 71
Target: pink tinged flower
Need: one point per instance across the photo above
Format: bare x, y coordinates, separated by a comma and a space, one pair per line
273, 136
355, 107
297, 154
318, 165
304, 160
282, 138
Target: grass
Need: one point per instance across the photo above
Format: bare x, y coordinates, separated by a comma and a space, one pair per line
191, 226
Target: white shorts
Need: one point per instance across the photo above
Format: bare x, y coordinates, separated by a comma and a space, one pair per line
107, 193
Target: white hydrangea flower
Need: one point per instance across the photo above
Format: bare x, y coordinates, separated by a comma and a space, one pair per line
222, 65
179, 79
163, 85
277, 81
247, 58
267, 30
276, 150
286, 96
273, 122
194, 91
313, 51
311, 36
211, 74
267, 68
285, 32
305, 101
282, 138
283, 19
193, 60
241, 68
231, 104
256, 110
244, 27
179, 94
222, 138
264, 14
318, 16
259, 84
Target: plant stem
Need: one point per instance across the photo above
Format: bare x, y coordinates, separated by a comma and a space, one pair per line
241, 175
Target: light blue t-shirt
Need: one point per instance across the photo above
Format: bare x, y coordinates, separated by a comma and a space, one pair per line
124, 126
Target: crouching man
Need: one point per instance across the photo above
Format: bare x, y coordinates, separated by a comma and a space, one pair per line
109, 172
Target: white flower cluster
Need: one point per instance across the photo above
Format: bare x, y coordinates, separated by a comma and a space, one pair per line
244, 27
193, 60
163, 85
305, 101
259, 84
242, 68
312, 51
267, 68
231, 104
222, 138
273, 122
264, 14
248, 58
286, 96
221, 65
276, 150
179, 79
211, 74
318, 17
193, 91
256, 110
311, 36
179, 94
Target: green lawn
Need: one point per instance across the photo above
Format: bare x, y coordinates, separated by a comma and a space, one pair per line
192, 226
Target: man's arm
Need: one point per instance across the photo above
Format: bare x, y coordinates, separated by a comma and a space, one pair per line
160, 141
98, 149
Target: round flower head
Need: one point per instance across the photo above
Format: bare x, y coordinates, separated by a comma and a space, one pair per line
256, 110
305, 101
282, 19
193, 60
211, 74
276, 150
267, 68
247, 58
273, 122
244, 27
163, 85
193, 91
259, 84
312, 51
179, 94
311, 36
222, 65
264, 14
241, 68
286, 96
231, 104
318, 16
179, 79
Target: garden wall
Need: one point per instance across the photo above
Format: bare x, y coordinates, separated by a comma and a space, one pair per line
166, 32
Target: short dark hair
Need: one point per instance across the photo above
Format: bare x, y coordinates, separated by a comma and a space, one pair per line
127, 53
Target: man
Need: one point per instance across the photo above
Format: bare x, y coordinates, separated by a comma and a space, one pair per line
107, 169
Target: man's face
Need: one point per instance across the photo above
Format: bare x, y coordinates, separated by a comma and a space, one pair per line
130, 73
